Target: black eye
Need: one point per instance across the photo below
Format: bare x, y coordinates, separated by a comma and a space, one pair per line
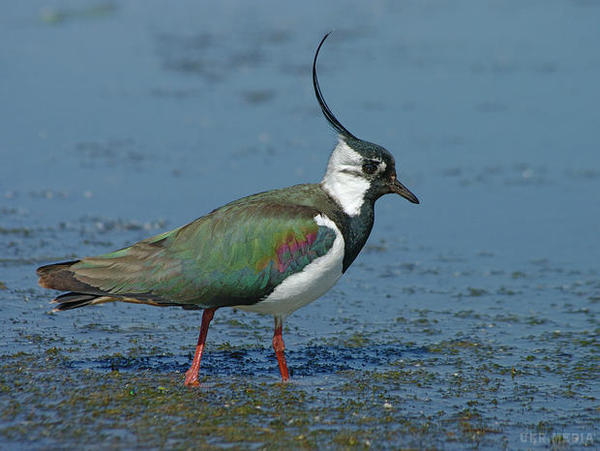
369, 167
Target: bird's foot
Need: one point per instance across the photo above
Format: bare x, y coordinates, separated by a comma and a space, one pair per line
191, 380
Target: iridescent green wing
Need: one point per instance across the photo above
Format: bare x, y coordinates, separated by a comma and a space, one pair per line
236, 255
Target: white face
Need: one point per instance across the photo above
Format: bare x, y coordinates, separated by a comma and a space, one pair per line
345, 179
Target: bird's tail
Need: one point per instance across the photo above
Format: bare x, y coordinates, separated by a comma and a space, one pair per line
59, 276
73, 300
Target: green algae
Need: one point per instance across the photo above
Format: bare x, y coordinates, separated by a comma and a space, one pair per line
455, 390
47, 399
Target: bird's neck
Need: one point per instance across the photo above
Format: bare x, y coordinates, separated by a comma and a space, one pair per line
355, 227
357, 231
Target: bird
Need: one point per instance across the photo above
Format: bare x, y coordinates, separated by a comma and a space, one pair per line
270, 253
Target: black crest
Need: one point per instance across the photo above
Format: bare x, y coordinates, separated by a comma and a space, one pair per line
324, 107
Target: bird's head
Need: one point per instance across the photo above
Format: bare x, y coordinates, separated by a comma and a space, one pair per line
358, 170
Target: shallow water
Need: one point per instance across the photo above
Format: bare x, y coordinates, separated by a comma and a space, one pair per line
471, 320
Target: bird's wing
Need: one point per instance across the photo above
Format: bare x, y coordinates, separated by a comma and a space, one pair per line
236, 255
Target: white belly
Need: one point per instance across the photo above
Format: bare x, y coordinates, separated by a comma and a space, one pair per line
311, 283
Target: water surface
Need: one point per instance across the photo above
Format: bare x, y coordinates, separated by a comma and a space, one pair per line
471, 320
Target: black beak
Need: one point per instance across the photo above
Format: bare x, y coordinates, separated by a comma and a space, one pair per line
399, 188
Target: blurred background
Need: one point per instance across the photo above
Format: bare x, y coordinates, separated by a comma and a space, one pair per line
120, 120
148, 111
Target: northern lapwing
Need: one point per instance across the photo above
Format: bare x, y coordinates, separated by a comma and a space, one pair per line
270, 253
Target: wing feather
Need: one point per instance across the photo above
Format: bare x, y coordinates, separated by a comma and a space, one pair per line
235, 255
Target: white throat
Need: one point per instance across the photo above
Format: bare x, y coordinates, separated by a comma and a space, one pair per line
343, 181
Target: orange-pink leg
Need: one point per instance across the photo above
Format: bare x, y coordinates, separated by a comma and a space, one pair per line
279, 347
191, 376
